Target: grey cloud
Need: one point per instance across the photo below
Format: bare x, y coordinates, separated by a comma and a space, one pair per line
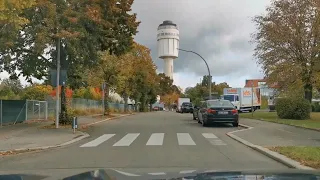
218, 30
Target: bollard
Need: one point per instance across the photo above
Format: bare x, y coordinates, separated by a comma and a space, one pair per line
75, 124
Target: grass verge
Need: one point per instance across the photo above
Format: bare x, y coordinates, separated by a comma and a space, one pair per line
308, 156
312, 123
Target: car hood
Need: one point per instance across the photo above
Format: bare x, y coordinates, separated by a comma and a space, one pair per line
112, 174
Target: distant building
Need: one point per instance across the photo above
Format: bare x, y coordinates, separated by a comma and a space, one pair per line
262, 84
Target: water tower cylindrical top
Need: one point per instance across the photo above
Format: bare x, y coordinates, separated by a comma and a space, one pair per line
168, 40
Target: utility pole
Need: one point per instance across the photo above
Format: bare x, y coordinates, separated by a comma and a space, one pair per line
103, 87
251, 98
58, 84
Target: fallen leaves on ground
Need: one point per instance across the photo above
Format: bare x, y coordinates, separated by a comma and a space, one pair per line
15, 152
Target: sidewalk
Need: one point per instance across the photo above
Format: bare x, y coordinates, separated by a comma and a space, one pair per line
24, 136
271, 134
32, 135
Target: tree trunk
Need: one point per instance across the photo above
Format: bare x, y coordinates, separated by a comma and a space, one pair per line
125, 103
106, 101
308, 91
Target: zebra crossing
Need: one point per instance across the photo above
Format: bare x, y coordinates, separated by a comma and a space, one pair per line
155, 139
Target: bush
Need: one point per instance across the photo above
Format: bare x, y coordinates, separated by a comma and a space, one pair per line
315, 107
288, 108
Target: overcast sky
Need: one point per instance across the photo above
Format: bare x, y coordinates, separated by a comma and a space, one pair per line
219, 30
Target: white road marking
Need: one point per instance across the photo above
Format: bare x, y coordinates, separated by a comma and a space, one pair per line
125, 173
156, 139
127, 139
187, 171
98, 141
209, 135
157, 173
216, 142
185, 139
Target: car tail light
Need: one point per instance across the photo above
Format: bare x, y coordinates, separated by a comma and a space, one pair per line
234, 111
211, 111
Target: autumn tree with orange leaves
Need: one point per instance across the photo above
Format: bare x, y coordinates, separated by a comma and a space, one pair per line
288, 41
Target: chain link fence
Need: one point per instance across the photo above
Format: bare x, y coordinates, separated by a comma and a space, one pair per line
17, 111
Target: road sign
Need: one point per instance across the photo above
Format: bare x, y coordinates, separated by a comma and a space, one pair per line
53, 77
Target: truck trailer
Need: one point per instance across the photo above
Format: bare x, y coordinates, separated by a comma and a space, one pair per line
243, 98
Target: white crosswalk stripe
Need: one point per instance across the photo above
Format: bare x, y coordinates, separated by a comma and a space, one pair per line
213, 139
155, 139
185, 139
98, 141
127, 139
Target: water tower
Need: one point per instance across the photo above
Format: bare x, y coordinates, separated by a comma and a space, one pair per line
168, 44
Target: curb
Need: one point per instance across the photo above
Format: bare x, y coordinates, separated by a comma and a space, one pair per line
318, 130
271, 154
84, 135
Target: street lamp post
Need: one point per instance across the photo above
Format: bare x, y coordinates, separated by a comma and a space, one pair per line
210, 78
251, 98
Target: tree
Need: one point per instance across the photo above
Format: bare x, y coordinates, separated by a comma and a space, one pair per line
83, 28
165, 84
11, 19
37, 92
13, 84
288, 42
107, 72
145, 79
169, 99
125, 77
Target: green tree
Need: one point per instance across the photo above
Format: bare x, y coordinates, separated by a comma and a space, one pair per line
13, 84
287, 41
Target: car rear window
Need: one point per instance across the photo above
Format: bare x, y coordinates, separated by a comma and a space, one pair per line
221, 103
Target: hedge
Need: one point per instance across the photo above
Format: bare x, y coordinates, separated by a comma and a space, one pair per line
289, 108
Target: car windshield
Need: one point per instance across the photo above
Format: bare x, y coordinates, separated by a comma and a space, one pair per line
186, 104
228, 97
221, 103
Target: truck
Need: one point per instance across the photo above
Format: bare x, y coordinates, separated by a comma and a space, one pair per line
243, 98
180, 101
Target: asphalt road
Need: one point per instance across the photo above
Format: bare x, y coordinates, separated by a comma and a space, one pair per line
150, 142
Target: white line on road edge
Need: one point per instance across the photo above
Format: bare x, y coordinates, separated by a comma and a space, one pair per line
125, 173
187, 171
271, 154
157, 173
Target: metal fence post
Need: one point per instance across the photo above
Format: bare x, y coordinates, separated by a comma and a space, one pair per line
39, 109
1, 112
46, 110
26, 110
32, 109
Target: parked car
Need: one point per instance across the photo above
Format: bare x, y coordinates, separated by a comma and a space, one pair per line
218, 111
186, 107
196, 110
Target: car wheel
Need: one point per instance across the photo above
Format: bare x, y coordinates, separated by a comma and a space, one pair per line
235, 124
204, 124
